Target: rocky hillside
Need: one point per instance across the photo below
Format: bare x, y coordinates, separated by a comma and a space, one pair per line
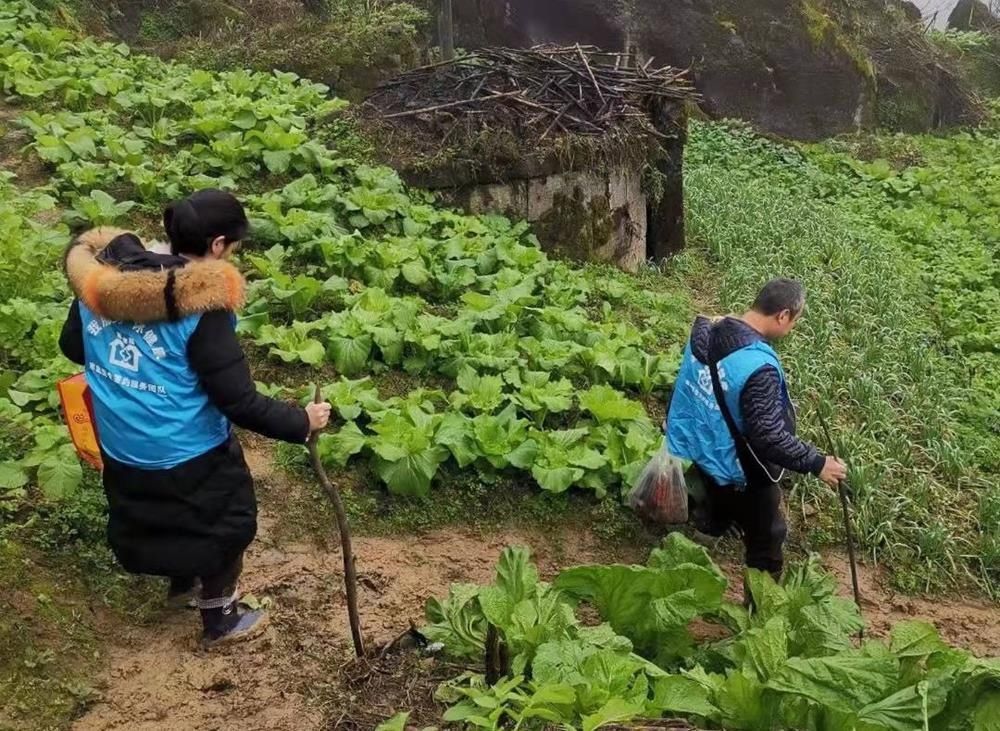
798, 68
803, 69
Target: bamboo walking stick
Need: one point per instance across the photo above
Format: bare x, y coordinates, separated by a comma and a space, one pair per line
350, 574
848, 527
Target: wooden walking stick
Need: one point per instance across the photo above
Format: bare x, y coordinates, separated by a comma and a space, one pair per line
350, 574
848, 527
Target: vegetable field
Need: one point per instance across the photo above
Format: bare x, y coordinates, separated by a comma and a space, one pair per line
453, 349
354, 273
790, 663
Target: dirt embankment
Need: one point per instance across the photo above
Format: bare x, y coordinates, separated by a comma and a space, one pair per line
288, 680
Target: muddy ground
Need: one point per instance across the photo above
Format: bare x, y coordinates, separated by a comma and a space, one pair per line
293, 678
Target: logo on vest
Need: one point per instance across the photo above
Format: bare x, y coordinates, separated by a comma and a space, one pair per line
124, 353
705, 380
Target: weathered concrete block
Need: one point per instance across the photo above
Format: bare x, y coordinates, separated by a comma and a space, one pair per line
582, 215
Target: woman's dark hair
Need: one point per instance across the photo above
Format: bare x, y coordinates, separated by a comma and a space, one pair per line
194, 222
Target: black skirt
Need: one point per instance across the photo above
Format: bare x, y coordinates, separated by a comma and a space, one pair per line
191, 520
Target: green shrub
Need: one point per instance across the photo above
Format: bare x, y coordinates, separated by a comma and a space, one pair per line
977, 55
352, 51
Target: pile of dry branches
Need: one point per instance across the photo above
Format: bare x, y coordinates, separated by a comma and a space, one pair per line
536, 92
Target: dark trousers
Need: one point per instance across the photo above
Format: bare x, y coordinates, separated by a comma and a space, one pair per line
216, 589
755, 510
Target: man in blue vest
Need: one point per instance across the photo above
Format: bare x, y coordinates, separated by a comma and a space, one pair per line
732, 417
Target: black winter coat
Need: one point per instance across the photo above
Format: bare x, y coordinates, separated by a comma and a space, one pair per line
196, 518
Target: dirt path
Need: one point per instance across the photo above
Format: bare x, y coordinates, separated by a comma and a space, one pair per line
968, 623
157, 679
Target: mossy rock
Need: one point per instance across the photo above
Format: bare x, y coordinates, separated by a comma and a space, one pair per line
828, 34
904, 111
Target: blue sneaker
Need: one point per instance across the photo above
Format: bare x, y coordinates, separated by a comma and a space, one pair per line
231, 624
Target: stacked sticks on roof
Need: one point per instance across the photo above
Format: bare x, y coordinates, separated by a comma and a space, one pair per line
543, 90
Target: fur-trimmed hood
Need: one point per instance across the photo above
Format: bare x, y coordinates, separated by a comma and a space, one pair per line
141, 286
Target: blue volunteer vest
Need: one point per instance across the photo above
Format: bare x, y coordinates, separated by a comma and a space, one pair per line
696, 429
150, 408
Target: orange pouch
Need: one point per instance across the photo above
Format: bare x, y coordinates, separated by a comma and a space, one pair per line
78, 410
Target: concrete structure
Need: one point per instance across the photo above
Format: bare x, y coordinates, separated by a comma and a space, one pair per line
585, 145
588, 215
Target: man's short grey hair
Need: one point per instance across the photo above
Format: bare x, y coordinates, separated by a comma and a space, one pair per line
779, 295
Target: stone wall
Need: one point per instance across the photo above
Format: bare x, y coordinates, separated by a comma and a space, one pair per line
585, 215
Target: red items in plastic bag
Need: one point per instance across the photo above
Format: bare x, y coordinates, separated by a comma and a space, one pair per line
660, 494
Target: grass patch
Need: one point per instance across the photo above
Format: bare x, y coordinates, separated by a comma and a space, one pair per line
867, 353
54, 579
461, 499
47, 641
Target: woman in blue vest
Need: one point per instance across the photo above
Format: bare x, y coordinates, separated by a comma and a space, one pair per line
742, 449
156, 336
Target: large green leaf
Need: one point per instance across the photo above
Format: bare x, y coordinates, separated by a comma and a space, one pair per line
849, 681
678, 694
769, 598
744, 703
915, 639
415, 273
986, 715
455, 433
390, 344
904, 710
81, 142
60, 475
337, 448
12, 476
627, 596
616, 710
557, 479
609, 405
350, 354
277, 161
763, 651
825, 628
678, 549
310, 352
412, 474
975, 686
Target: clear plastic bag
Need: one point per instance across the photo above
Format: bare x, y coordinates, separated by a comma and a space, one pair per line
660, 494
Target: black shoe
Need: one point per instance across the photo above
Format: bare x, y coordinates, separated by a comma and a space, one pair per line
182, 594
